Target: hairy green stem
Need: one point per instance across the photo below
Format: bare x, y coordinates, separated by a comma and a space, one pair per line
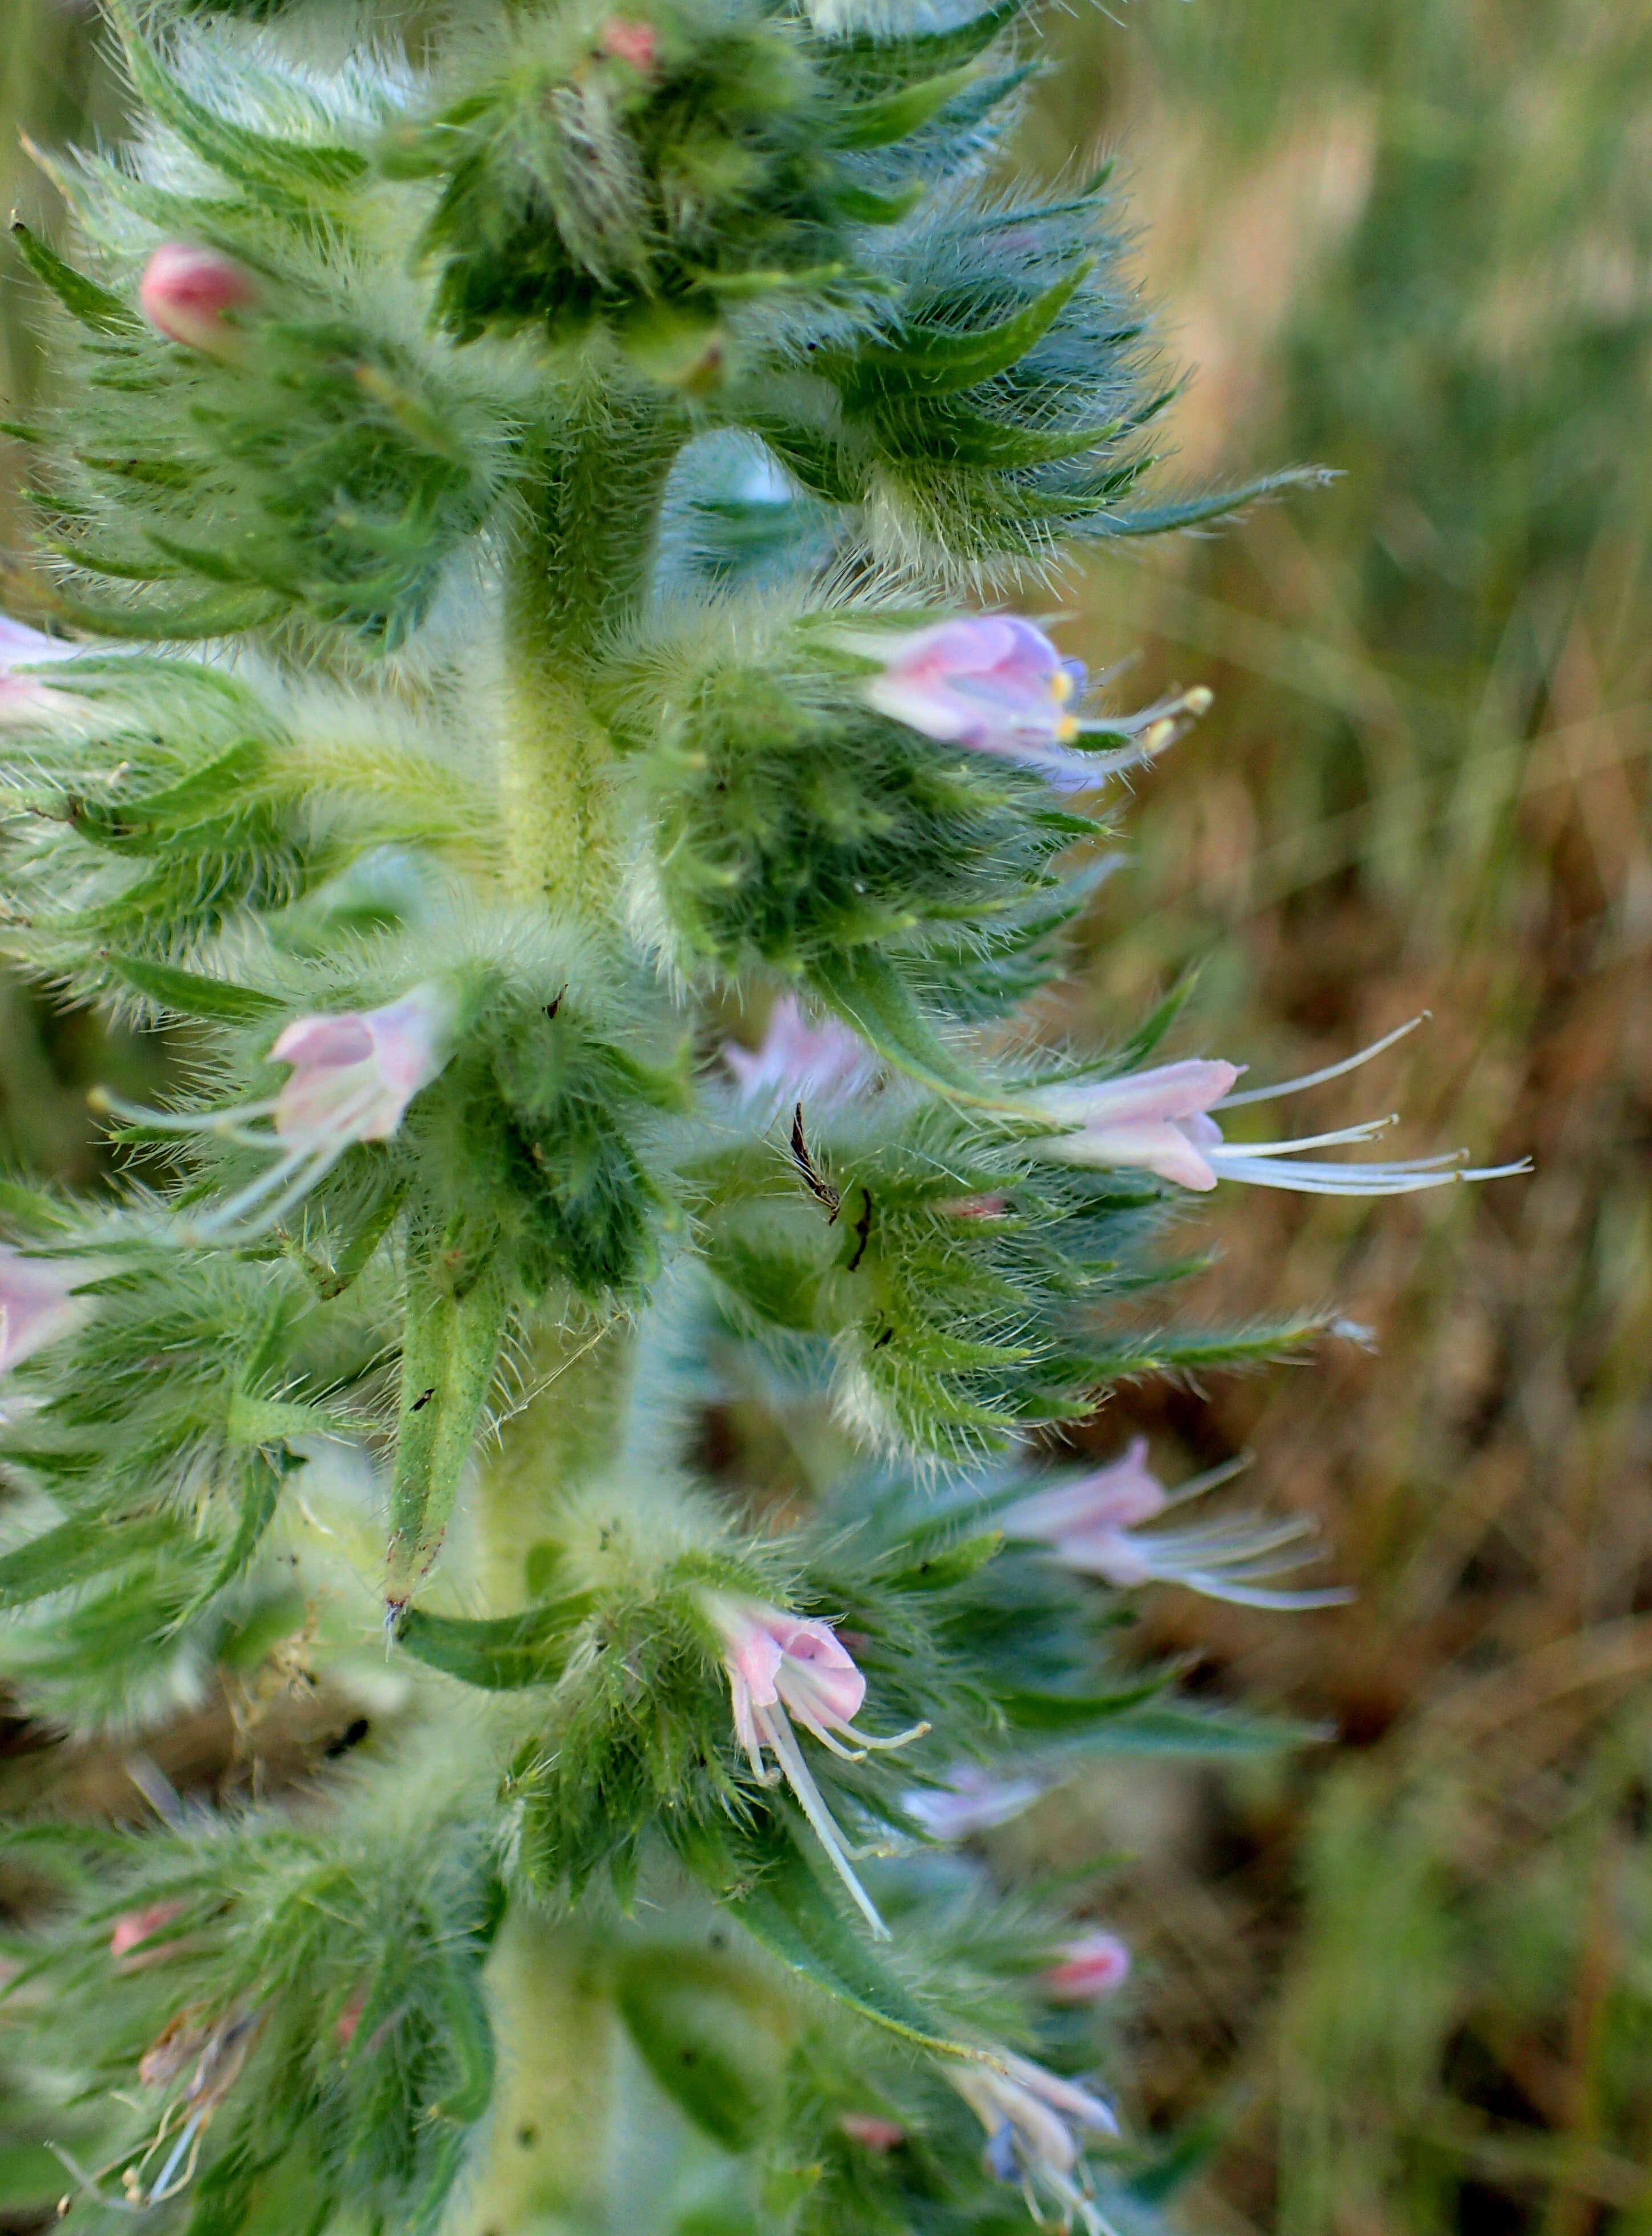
580, 570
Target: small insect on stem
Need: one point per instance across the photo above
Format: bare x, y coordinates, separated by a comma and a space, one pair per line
820, 1189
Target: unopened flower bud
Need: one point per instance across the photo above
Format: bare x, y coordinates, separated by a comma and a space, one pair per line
191, 295
630, 43
1095, 1965
135, 1927
871, 2132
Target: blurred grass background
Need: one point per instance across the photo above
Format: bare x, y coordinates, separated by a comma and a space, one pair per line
1408, 1974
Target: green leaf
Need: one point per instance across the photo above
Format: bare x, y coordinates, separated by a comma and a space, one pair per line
1177, 1729
190, 994
87, 1545
927, 360
449, 1349
1030, 1710
94, 306
865, 991
298, 170
715, 2035
502, 1654
787, 1910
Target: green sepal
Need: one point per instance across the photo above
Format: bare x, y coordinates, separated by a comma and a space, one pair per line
272, 1420
504, 1655
930, 361
894, 117
295, 169
944, 1566
862, 206
92, 306
223, 613
188, 993
260, 1500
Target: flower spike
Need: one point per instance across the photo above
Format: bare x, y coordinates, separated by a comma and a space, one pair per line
779, 1663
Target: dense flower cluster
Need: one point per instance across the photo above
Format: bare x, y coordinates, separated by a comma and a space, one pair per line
527, 708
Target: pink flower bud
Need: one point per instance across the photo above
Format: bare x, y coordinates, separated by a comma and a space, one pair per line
635, 43
190, 294
1096, 1965
37, 1304
871, 2132
135, 1927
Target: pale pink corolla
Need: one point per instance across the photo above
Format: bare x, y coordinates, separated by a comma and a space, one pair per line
1035, 2124
799, 1058
783, 1665
1093, 1966
1093, 1526
191, 295
1162, 1121
970, 1800
21, 648
37, 1304
353, 1076
992, 682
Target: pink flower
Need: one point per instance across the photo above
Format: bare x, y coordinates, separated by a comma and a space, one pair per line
22, 696
1095, 1965
635, 43
37, 1304
783, 1665
1035, 2122
796, 1058
1160, 1121
135, 1927
1087, 1522
191, 295
1152, 1121
1092, 1527
353, 1076
871, 2132
990, 681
